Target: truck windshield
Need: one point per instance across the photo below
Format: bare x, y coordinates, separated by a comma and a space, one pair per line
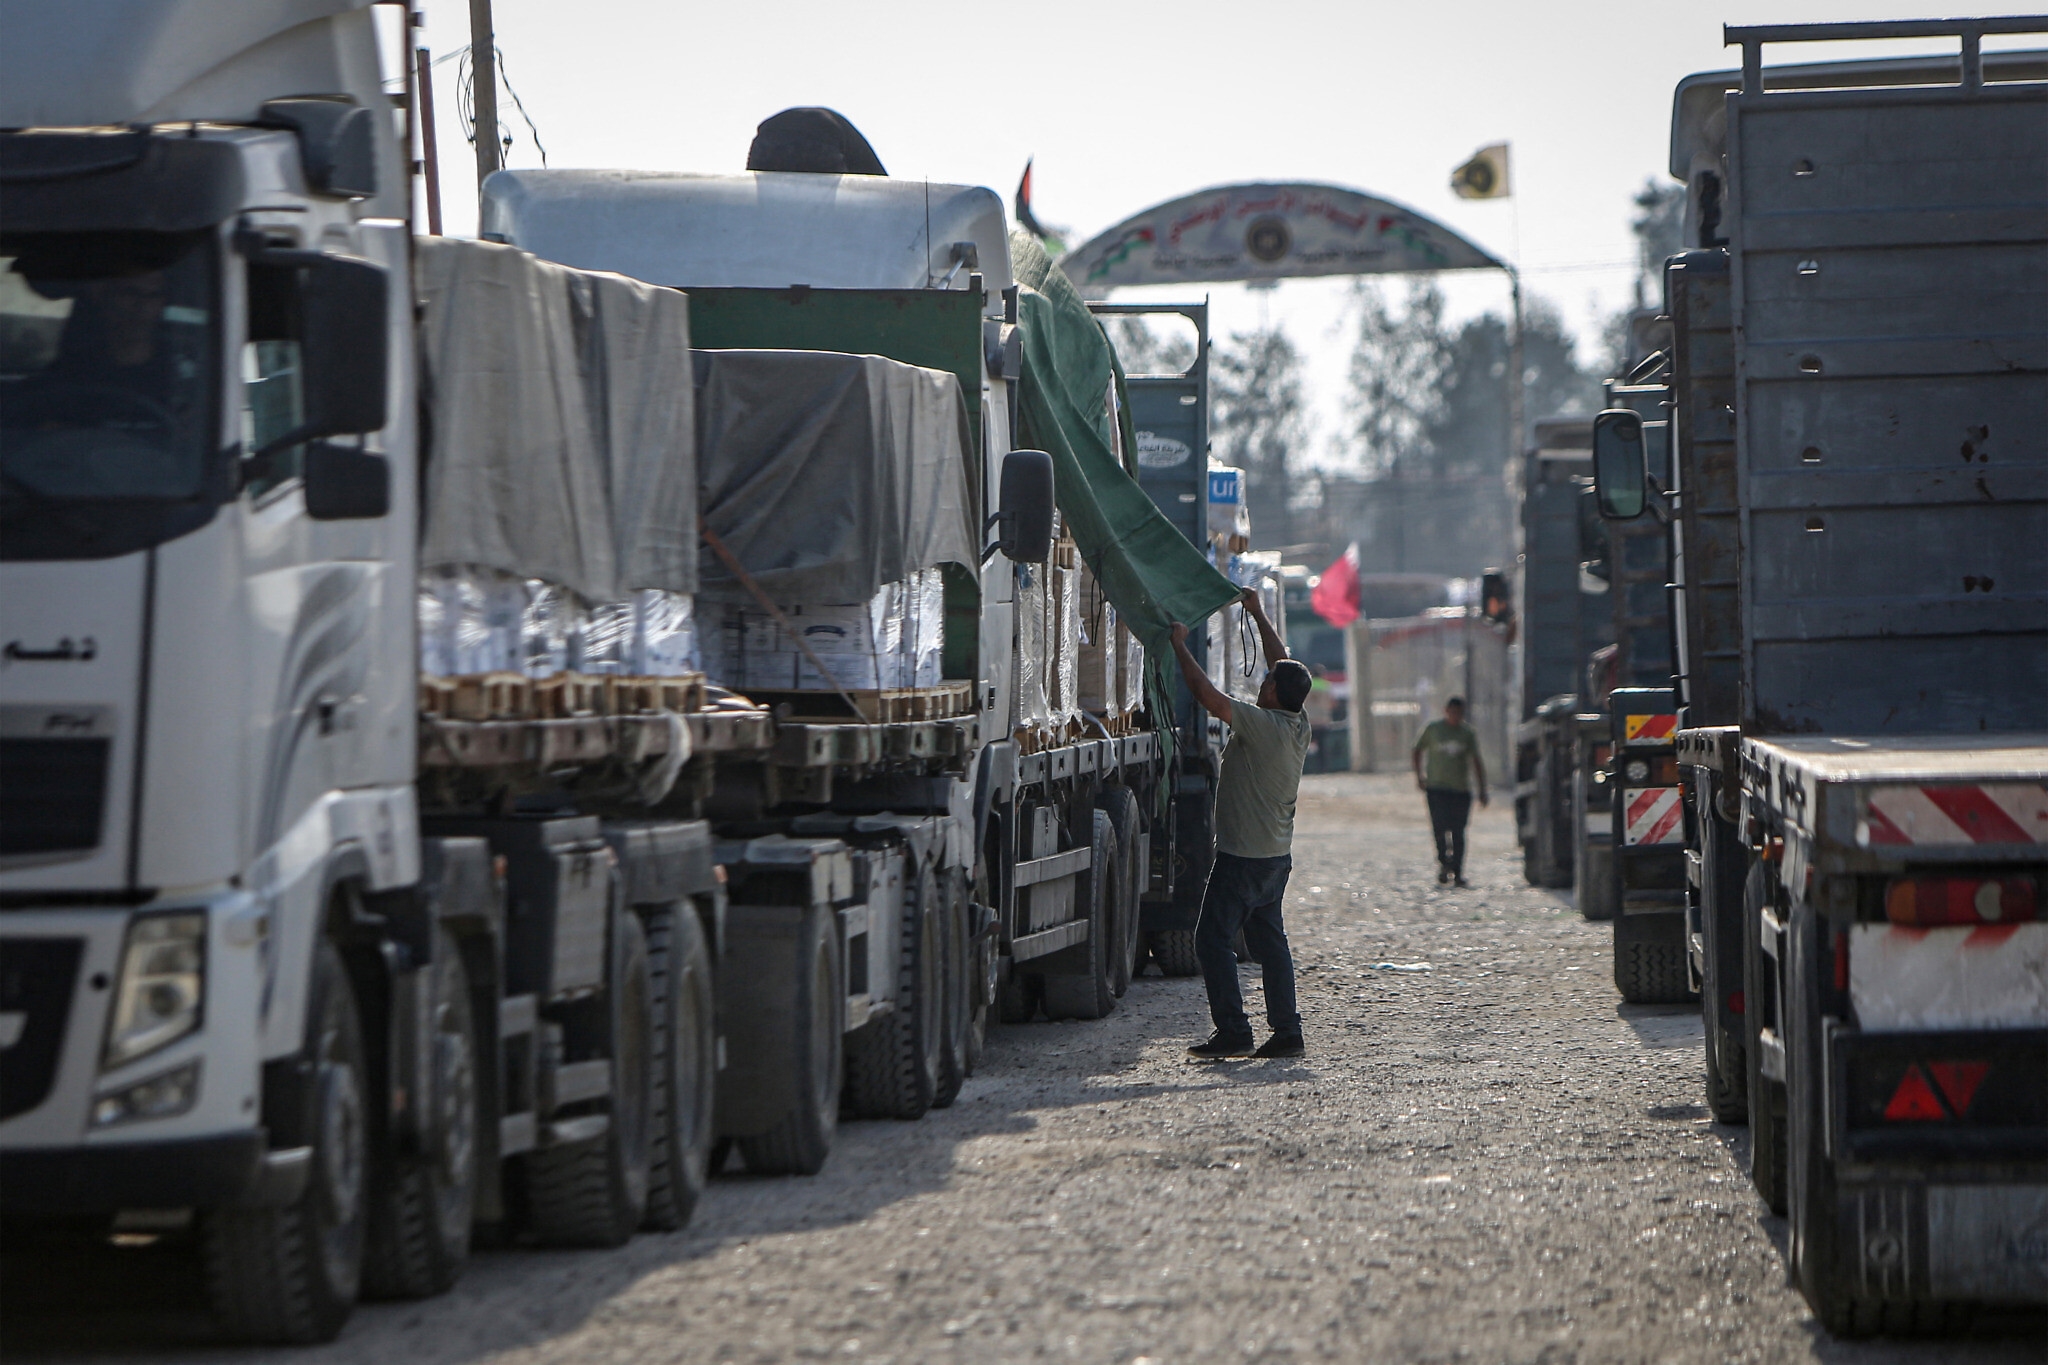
108, 345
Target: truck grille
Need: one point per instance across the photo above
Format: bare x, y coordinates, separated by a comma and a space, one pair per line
51, 794
36, 979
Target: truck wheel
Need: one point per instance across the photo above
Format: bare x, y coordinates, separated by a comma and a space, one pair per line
290, 1275
1649, 960
1593, 876
1174, 951
593, 1193
1017, 998
422, 1203
1727, 1074
680, 1126
981, 962
1122, 808
1084, 992
1766, 1096
801, 1140
892, 1063
955, 1019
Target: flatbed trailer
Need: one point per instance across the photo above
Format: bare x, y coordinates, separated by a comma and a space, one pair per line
1863, 634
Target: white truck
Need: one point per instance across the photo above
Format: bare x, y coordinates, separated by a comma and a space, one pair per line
323, 964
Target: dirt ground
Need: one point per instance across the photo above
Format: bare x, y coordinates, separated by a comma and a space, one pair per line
1483, 1157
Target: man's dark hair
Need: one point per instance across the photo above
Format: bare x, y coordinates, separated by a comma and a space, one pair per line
821, 141
1458, 702
1292, 682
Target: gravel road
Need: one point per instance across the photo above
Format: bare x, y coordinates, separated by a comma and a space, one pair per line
1483, 1158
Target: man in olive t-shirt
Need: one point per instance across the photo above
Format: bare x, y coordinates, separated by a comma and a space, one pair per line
1446, 759
1254, 837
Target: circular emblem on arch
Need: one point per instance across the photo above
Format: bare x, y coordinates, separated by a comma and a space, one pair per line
1268, 239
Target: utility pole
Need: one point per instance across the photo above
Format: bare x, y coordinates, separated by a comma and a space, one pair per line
483, 65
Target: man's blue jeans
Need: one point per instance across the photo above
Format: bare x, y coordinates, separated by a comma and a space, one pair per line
1245, 893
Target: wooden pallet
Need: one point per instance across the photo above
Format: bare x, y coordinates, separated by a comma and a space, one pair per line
629, 696
877, 706
566, 696
488, 696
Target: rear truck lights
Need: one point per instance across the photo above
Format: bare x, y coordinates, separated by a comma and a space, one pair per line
1736, 1001
162, 1096
1935, 1092
161, 989
1928, 901
1638, 771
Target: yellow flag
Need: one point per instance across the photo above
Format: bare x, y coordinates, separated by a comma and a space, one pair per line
1485, 176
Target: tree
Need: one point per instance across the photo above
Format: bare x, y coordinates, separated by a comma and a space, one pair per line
1430, 405
1257, 423
1659, 225
1398, 366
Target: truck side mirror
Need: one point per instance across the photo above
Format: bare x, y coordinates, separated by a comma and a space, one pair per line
1026, 507
346, 347
1496, 602
1620, 479
345, 484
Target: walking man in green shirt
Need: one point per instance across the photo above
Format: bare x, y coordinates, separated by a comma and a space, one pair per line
1254, 838
1446, 760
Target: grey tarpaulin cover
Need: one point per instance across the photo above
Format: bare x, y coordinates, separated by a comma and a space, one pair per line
560, 406
828, 475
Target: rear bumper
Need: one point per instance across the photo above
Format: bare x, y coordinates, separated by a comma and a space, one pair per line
205, 1172
1939, 1146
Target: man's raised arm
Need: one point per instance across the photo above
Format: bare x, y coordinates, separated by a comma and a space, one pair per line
1213, 701
1269, 638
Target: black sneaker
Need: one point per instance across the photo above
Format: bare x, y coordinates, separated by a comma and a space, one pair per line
1442, 876
1459, 880
1219, 1048
1281, 1045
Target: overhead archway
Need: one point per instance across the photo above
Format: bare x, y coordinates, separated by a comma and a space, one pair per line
1268, 231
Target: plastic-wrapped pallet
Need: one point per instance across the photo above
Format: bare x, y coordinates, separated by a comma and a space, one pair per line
1098, 656
1132, 674
1067, 653
894, 640
664, 634
1034, 706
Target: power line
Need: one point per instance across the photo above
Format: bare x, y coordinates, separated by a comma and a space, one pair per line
465, 98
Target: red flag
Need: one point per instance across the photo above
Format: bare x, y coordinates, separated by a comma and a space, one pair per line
1335, 596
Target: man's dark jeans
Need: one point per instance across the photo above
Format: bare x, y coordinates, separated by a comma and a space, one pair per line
1245, 893
1448, 812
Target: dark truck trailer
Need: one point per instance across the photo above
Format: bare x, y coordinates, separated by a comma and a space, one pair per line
1560, 614
1864, 653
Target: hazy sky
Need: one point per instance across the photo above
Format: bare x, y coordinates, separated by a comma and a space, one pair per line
1125, 104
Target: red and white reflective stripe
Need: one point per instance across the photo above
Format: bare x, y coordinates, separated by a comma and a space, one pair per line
1652, 816
1977, 813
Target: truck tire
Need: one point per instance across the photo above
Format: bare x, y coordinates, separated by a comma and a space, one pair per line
956, 1016
1017, 997
422, 1203
1766, 1096
802, 1138
680, 1100
1649, 960
1174, 951
982, 962
289, 1275
892, 1063
1727, 1073
593, 1193
1084, 992
1595, 884
1122, 808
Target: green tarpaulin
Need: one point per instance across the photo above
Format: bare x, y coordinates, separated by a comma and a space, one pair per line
1152, 574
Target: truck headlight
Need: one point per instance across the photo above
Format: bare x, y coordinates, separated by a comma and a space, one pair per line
162, 986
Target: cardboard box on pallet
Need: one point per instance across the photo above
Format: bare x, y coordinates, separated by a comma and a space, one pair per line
893, 641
